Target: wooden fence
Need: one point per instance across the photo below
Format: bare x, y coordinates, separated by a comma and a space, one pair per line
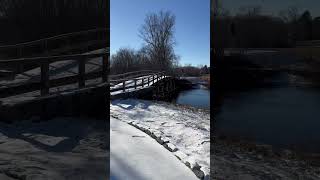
60, 43
45, 82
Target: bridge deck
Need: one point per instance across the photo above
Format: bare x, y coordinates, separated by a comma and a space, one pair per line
67, 68
57, 70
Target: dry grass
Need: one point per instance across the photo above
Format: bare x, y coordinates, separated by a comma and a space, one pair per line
206, 78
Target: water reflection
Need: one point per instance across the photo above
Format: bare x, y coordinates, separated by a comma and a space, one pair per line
198, 97
284, 115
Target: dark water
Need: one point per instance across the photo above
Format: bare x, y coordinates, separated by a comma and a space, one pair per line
198, 97
286, 116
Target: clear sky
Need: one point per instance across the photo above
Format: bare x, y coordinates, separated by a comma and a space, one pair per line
192, 30
274, 6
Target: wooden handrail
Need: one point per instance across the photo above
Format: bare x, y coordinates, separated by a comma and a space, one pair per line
123, 86
139, 75
45, 61
52, 58
129, 73
53, 38
87, 39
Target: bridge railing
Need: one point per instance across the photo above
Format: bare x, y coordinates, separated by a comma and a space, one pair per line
86, 39
131, 74
141, 79
46, 83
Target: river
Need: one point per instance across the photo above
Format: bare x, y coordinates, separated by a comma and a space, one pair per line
198, 96
285, 115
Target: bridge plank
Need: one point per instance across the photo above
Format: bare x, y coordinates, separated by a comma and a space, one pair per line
29, 87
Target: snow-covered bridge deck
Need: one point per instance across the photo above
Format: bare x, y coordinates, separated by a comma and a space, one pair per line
55, 75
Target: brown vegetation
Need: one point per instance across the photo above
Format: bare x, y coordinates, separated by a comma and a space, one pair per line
206, 78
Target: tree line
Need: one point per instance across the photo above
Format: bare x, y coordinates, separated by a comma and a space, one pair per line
157, 51
26, 20
249, 28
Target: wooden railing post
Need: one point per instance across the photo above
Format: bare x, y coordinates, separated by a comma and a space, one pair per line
152, 78
142, 82
45, 78
105, 60
124, 85
81, 71
135, 83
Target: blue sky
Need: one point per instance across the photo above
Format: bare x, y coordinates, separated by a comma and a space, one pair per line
192, 30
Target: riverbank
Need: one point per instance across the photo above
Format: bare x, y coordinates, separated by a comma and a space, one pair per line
61, 148
237, 160
185, 131
135, 155
206, 79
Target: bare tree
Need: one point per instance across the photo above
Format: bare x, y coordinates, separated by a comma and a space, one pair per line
123, 61
290, 15
158, 34
218, 10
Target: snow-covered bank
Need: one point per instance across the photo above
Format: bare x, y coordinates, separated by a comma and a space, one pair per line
136, 156
187, 130
241, 160
62, 148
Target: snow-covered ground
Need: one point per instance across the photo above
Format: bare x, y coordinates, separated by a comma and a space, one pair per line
187, 130
136, 156
62, 148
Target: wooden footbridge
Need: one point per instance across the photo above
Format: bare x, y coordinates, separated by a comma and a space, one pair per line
53, 74
54, 62
138, 83
53, 80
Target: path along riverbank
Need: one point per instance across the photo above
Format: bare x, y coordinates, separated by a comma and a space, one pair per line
134, 155
183, 131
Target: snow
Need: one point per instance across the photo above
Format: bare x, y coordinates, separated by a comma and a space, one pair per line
134, 155
66, 89
188, 130
61, 148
